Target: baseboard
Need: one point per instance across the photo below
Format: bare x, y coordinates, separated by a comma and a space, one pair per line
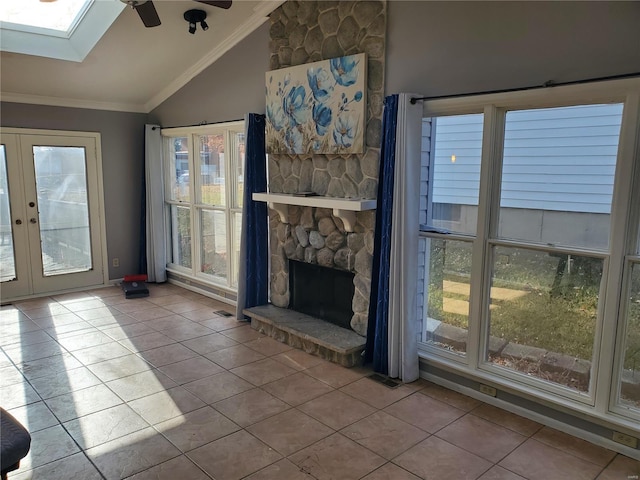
564, 422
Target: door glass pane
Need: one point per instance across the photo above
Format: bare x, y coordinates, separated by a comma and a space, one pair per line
557, 176
63, 209
181, 235
630, 386
7, 255
447, 293
214, 243
179, 168
543, 314
212, 173
456, 175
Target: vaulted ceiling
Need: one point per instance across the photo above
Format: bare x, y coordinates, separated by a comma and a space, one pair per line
133, 68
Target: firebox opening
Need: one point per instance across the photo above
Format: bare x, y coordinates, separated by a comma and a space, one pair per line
321, 292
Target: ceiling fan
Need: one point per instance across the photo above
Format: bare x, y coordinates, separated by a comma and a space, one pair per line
149, 15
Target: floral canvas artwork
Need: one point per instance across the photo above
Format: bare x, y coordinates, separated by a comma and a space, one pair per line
317, 107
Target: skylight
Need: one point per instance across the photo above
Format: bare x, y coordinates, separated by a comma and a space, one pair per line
33, 15
63, 29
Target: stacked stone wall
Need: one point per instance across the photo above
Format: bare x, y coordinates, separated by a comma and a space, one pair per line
303, 32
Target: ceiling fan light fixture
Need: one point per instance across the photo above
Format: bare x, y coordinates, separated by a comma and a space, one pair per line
196, 16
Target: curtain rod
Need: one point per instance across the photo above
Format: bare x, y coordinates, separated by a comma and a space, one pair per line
547, 84
201, 124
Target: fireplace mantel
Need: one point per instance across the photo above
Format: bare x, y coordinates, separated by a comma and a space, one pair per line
343, 208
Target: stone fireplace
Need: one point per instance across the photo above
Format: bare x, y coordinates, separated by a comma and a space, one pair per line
315, 236
331, 246
303, 32
318, 234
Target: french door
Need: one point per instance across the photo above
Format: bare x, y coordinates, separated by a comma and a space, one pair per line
51, 226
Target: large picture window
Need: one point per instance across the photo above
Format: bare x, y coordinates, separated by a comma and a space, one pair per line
555, 194
531, 274
205, 185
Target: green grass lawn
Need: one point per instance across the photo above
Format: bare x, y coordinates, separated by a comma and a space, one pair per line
554, 312
554, 324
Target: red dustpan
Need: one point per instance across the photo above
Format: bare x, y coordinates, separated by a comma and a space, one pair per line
134, 286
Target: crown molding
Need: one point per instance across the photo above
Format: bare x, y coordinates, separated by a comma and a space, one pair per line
260, 15
71, 102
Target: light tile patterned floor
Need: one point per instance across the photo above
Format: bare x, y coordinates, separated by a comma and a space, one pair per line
164, 388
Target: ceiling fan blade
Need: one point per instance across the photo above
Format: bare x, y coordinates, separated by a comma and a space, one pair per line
148, 14
217, 3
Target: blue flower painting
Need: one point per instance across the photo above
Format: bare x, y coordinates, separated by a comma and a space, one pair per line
318, 107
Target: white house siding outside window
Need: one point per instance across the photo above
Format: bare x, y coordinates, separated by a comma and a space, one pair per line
530, 245
204, 191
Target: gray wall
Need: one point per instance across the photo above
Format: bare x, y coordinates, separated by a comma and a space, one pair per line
432, 48
231, 87
122, 137
440, 48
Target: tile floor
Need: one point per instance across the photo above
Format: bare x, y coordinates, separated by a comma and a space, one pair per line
164, 388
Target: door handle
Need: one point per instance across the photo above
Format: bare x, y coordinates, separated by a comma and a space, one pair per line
32, 204
18, 222
32, 220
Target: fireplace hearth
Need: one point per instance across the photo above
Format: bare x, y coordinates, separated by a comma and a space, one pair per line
314, 237
317, 337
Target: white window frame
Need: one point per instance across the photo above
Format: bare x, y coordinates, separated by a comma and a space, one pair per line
630, 243
602, 401
230, 209
453, 357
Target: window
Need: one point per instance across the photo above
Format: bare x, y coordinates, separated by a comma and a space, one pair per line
205, 185
555, 204
530, 274
557, 175
627, 398
453, 208
629, 392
